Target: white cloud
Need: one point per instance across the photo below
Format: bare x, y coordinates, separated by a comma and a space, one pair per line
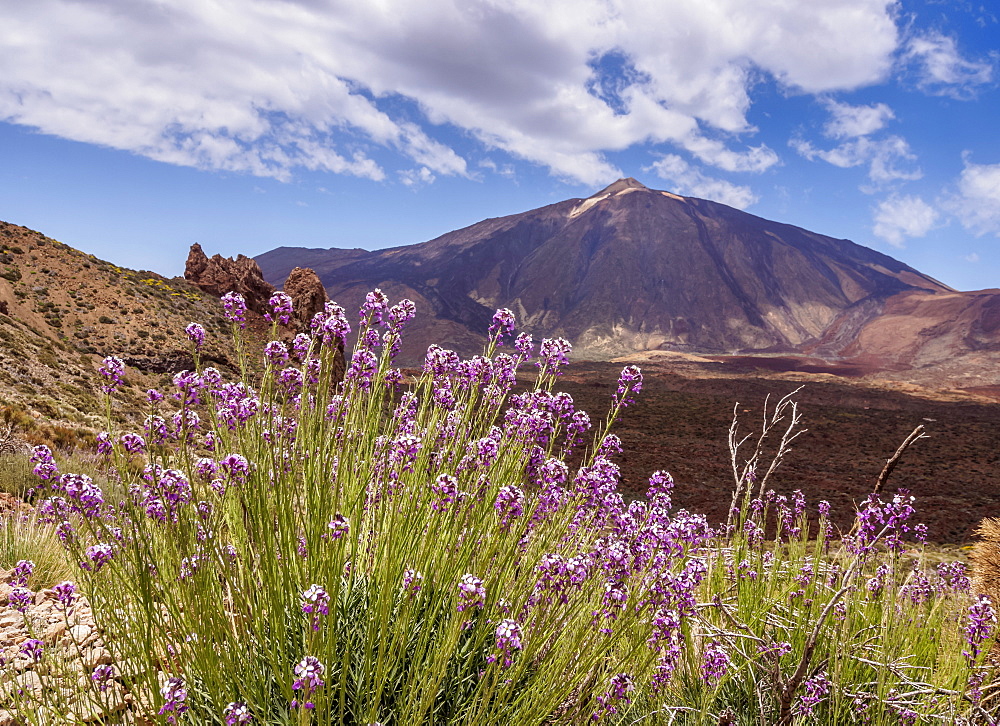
889, 159
848, 122
940, 69
898, 217
976, 202
689, 181
416, 177
269, 86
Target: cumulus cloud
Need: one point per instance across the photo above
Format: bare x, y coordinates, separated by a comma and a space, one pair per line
267, 87
689, 181
848, 122
976, 201
888, 159
414, 178
940, 68
901, 216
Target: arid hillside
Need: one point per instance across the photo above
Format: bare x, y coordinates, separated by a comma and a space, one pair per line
62, 311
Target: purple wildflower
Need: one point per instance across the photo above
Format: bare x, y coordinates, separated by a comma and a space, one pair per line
886, 521
133, 443
237, 714
21, 572
66, 595
32, 649
446, 487
619, 688
508, 635
236, 467
99, 555
471, 592
715, 663
629, 383
816, 689
112, 371
175, 696
300, 346
45, 465
156, 429
981, 622
235, 308
953, 576
553, 353
440, 361
503, 324
376, 303
104, 445
509, 504
329, 325
102, 676
308, 672
196, 334
281, 307
276, 353
315, 602
20, 598
412, 581
400, 314
339, 525
362, 369
524, 346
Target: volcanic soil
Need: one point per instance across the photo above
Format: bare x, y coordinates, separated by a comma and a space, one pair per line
680, 423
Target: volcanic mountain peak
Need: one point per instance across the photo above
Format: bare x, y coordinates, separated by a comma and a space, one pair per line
631, 269
617, 189
622, 185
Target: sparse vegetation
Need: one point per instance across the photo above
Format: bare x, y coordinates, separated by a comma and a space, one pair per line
417, 550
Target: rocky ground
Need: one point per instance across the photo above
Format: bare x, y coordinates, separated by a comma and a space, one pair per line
74, 651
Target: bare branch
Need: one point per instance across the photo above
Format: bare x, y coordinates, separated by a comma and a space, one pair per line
890, 464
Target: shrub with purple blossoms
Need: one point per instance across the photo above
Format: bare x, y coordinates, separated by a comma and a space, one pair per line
469, 574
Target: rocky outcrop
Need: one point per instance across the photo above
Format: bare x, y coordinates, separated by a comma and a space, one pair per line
218, 275
308, 295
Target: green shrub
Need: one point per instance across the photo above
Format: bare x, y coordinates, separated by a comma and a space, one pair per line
416, 551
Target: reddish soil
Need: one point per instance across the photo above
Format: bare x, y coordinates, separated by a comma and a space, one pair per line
680, 423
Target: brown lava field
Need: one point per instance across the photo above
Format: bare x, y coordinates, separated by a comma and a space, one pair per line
680, 423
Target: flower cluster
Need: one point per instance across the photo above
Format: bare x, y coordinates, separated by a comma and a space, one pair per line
308, 677
175, 695
235, 308
471, 592
315, 602
281, 308
112, 370
196, 334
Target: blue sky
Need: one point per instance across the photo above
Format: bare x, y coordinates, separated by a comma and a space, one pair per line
132, 128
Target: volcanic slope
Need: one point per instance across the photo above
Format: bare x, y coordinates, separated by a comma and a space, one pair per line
62, 310
625, 270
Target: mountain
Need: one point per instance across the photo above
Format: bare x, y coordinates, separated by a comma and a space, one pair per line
635, 269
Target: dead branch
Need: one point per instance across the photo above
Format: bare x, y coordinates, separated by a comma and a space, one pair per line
890, 464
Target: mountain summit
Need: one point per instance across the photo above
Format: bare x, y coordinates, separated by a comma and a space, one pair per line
627, 269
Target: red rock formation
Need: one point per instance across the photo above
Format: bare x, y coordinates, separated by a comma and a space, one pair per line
218, 275
307, 293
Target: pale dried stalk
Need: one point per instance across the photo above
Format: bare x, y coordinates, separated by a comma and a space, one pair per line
743, 474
